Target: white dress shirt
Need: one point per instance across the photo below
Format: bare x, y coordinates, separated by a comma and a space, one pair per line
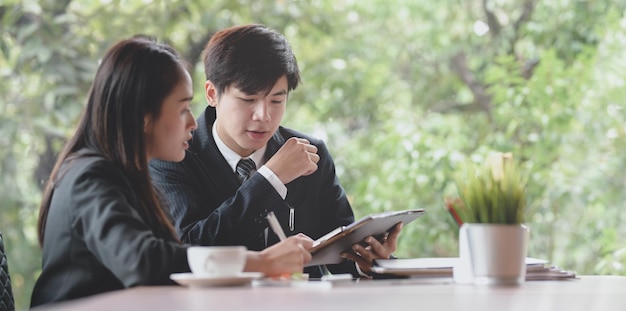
233, 158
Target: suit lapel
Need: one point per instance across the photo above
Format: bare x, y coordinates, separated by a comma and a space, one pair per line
204, 148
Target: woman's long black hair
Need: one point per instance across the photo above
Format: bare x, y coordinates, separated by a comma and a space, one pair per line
133, 79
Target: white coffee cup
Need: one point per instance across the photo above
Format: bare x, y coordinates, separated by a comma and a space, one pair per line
216, 260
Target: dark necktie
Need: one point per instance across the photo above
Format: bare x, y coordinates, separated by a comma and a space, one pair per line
244, 166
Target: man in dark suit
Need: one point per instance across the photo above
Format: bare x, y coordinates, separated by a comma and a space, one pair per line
250, 71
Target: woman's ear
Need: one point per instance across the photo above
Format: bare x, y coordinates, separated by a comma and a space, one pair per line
210, 93
147, 123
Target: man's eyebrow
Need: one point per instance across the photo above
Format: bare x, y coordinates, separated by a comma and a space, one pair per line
281, 92
187, 99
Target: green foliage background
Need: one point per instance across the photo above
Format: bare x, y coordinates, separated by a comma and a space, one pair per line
402, 91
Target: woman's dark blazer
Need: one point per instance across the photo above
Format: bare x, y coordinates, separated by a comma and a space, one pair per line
96, 240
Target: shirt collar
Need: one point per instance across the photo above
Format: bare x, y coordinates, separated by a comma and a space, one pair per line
231, 156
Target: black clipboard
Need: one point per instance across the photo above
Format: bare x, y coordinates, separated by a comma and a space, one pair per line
327, 249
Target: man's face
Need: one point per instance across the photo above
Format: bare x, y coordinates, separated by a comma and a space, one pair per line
246, 122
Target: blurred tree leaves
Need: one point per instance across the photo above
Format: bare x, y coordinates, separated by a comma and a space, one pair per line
402, 91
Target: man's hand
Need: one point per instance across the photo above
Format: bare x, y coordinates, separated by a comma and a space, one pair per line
365, 256
297, 157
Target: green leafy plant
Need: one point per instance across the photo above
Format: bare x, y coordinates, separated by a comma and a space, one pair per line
493, 192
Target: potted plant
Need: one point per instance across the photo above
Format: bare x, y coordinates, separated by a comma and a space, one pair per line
492, 204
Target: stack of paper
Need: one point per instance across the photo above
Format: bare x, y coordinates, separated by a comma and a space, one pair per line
536, 269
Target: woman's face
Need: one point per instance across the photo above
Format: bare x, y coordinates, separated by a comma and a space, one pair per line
166, 136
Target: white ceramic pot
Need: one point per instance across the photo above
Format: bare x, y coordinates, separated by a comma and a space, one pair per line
497, 252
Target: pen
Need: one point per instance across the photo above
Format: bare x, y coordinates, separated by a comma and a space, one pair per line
271, 218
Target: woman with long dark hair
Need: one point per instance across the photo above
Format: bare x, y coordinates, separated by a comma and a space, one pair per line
101, 223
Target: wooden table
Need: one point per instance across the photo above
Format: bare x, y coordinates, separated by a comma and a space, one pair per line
587, 293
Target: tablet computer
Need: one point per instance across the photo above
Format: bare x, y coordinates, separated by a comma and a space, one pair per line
328, 248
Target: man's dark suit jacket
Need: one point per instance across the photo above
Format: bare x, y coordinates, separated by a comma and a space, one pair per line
211, 207
97, 239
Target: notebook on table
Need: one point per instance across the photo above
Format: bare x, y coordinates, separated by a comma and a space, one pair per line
536, 269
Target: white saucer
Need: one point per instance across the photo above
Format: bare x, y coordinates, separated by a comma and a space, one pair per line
191, 280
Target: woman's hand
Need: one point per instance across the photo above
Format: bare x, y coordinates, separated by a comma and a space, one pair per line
286, 257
